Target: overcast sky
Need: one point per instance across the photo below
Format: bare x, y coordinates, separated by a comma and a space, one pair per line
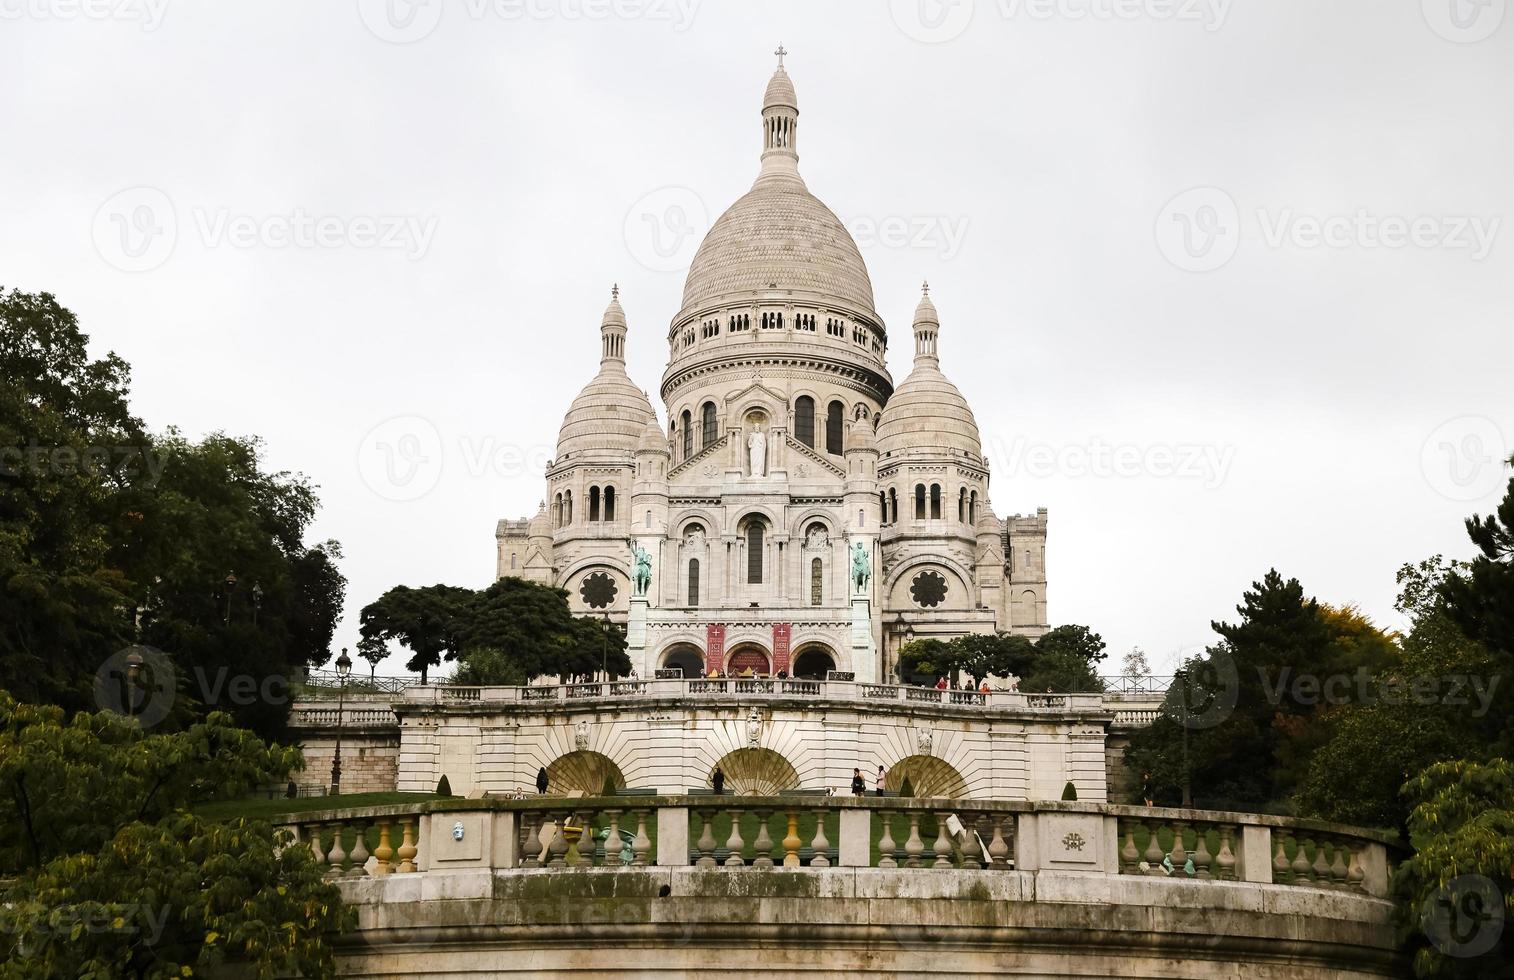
1228, 284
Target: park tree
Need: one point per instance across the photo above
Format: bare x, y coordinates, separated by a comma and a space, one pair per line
428, 620
534, 627
923, 661
1457, 890
110, 535
373, 650
993, 654
1061, 670
1073, 640
108, 872
1134, 666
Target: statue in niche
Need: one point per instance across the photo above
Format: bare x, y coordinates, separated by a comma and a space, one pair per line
862, 567
694, 537
641, 565
817, 538
757, 452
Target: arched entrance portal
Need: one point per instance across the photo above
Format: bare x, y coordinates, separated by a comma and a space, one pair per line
813, 661
584, 772
927, 776
758, 772
747, 656
685, 657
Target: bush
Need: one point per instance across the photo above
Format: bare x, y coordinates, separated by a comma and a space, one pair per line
1070, 792
608, 789
443, 788
906, 788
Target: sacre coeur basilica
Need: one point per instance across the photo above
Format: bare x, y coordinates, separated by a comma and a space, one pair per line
800, 513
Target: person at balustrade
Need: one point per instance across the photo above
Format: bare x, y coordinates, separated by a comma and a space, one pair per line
541, 781
859, 787
879, 780
717, 781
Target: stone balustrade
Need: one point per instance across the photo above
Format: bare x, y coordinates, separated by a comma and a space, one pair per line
818, 832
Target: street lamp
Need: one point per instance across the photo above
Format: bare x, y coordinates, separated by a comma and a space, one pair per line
604, 651
1182, 678
343, 668
133, 670
231, 583
257, 601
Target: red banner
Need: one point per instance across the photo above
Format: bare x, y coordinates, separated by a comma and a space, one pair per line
714, 645
781, 634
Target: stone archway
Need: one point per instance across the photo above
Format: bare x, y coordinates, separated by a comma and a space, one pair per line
584, 772
747, 655
685, 657
928, 777
758, 772
812, 661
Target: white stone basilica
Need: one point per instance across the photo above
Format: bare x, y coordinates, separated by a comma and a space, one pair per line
800, 513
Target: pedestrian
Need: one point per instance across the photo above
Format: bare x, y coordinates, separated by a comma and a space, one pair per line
984, 689
541, 780
1146, 787
941, 683
878, 781
859, 788
717, 780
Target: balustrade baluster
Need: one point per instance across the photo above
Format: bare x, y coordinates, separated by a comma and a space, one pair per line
1320, 869
1301, 870
1153, 849
763, 845
819, 846
886, 842
1338, 870
942, 848
530, 845
998, 848
578, 855
337, 856
1179, 852
359, 854
557, 849
706, 843
1225, 861
1130, 858
970, 851
643, 844
734, 844
791, 841
1282, 871
385, 851
314, 831
1355, 874
613, 844
913, 847
1201, 856
407, 849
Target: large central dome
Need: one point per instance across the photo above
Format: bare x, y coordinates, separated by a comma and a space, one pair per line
778, 237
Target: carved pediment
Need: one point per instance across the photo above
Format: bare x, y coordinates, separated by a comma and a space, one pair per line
800, 450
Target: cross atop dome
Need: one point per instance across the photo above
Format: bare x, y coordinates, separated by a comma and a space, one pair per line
925, 286
615, 291
780, 53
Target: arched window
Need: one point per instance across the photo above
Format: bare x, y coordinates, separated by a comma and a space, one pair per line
707, 437
962, 505
512, 561
972, 509
693, 581
919, 501
557, 511
817, 579
804, 420
688, 434
754, 545
893, 505
593, 504
883, 506
935, 501
567, 500
609, 503
833, 414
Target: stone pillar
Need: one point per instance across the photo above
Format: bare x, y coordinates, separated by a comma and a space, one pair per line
672, 836
856, 831
864, 657
636, 637
1255, 858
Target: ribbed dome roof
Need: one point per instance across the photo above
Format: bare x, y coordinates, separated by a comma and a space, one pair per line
780, 91
927, 415
611, 413
778, 235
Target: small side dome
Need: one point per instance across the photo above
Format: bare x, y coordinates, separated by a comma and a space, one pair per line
652, 439
609, 415
927, 415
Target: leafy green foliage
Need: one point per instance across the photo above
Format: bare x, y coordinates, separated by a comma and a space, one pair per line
427, 620
1070, 792
110, 535
1462, 831
1078, 641
443, 786
108, 874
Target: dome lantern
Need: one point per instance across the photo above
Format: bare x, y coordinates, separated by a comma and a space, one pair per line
927, 327
780, 125
612, 331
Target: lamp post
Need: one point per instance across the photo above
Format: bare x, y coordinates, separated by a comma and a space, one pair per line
257, 601
133, 670
343, 668
231, 583
1182, 678
604, 651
